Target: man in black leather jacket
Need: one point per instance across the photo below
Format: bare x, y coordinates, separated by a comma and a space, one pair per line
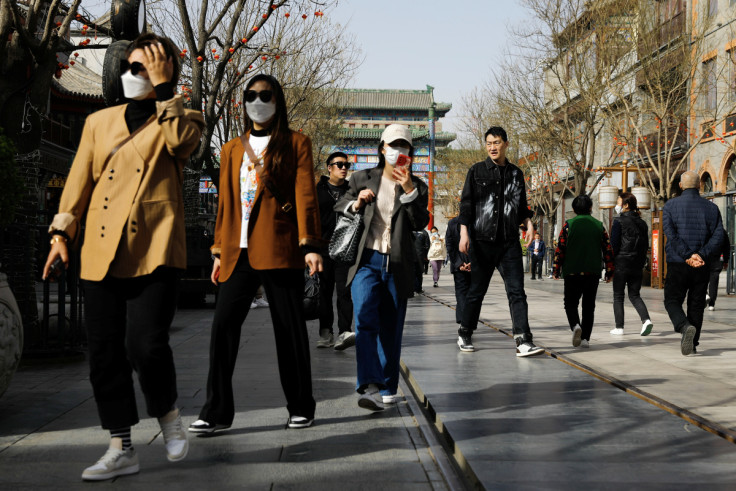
492, 207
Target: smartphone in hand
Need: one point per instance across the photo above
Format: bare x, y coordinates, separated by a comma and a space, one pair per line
403, 160
55, 270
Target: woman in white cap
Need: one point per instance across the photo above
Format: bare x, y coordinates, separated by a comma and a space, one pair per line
393, 203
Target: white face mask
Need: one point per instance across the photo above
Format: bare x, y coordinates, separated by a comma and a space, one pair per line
260, 112
392, 154
135, 86
618, 208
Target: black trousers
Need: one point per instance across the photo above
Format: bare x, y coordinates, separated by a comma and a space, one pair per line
485, 257
462, 287
128, 321
418, 272
631, 279
537, 266
577, 286
335, 277
285, 292
715, 274
685, 281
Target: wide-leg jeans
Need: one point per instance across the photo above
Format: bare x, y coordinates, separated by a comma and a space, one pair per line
379, 323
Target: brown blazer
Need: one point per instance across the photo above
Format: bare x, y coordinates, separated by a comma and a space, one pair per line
134, 205
273, 236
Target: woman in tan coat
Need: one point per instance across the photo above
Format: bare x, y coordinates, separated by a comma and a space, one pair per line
267, 229
127, 179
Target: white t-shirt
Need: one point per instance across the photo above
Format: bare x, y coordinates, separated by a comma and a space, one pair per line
249, 184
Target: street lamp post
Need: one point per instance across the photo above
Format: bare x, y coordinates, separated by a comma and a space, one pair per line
432, 107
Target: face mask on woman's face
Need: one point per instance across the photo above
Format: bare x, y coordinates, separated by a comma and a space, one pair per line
618, 208
135, 87
260, 112
392, 154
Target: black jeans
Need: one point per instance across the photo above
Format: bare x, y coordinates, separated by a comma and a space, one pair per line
418, 272
485, 257
683, 281
630, 279
537, 265
335, 276
462, 286
585, 286
715, 274
285, 291
128, 321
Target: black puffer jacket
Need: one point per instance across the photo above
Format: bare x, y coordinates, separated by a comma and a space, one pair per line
630, 241
480, 200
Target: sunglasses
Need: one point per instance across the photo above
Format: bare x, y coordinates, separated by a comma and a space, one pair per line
341, 165
264, 95
134, 67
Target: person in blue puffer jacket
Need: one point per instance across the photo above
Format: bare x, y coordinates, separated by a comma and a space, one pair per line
694, 230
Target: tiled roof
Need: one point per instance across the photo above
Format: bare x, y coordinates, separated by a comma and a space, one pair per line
79, 81
374, 134
389, 99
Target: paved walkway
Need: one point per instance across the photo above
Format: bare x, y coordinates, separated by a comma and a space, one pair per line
556, 421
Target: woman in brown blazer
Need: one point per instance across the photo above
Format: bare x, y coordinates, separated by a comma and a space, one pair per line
267, 229
127, 179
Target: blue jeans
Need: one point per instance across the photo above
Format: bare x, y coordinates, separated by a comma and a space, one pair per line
379, 323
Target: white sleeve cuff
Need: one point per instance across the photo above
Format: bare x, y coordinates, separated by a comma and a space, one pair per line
351, 208
408, 198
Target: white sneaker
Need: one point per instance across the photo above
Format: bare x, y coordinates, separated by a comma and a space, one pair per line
646, 328
584, 343
577, 332
261, 302
712, 308
391, 398
707, 298
175, 439
114, 463
617, 331
345, 340
371, 399
253, 305
326, 339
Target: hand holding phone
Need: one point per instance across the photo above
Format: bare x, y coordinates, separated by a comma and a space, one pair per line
55, 269
403, 160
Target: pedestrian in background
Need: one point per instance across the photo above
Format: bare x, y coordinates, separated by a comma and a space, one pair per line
719, 262
267, 229
330, 189
459, 266
393, 203
582, 247
421, 247
126, 180
436, 254
630, 243
694, 232
537, 250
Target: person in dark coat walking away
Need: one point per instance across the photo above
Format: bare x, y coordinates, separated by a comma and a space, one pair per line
630, 242
719, 262
694, 232
334, 275
421, 246
393, 203
459, 266
582, 247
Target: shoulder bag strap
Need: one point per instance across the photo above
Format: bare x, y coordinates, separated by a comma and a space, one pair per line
286, 206
127, 139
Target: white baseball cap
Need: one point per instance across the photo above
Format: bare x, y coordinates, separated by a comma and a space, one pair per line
396, 132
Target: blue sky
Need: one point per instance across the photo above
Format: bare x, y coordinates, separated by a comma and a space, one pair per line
408, 44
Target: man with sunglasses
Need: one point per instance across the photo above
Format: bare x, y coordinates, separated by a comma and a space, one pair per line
330, 189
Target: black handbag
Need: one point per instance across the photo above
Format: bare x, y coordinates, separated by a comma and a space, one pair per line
311, 296
346, 238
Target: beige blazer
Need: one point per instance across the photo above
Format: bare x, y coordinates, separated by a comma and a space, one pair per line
134, 206
274, 238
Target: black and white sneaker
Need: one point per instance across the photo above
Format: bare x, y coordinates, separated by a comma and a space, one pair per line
202, 426
528, 349
465, 344
299, 422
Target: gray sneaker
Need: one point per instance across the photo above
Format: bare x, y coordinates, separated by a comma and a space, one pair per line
371, 399
345, 340
114, 463
686, 343
326, 339
175, 439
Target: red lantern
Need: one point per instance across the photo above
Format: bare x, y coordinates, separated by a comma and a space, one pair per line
77, 54
199, 59
255, 28
304, 16
232, 50
217, 57
265, 16
287, 15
